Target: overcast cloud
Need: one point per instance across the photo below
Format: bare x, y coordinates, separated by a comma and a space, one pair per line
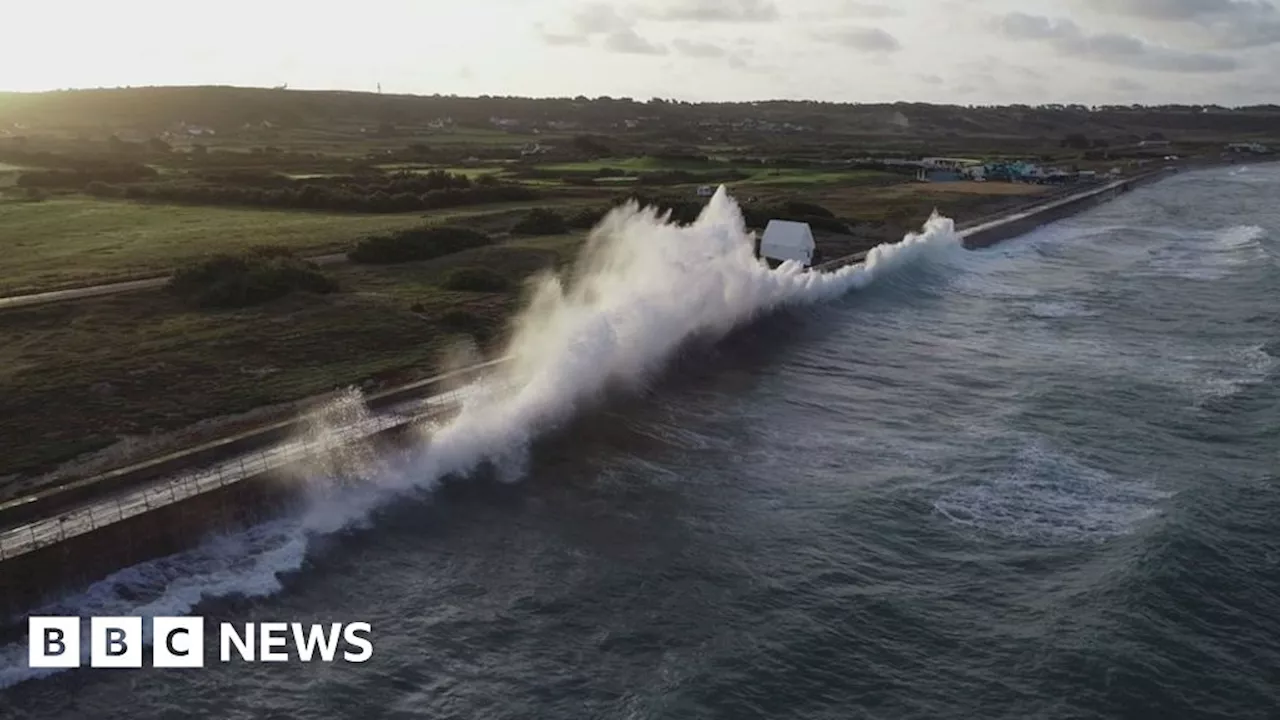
968, 51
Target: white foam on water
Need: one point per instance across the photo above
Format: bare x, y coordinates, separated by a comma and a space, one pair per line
245, 564
1212, 256
1228, 372
643, 288
1046, 495
1051, 310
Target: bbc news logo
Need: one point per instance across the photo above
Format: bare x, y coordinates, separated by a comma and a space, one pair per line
178, 642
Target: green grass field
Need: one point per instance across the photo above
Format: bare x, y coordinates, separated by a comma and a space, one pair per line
67, 242
77, 377
808, 178
758, 175
471, 172
636, 164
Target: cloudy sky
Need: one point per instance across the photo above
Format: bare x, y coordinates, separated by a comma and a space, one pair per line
965, 51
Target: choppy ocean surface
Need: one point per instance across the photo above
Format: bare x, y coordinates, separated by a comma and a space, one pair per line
1036, 481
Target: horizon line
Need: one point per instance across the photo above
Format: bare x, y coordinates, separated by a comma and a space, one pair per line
620, 98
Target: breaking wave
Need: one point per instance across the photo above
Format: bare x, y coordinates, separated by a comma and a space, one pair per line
1213, 256
643, 288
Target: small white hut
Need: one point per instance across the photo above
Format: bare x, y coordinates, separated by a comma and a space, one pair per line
787, 240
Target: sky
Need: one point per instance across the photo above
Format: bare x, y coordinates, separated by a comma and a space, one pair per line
955, 51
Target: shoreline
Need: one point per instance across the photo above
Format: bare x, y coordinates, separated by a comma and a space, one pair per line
79, 531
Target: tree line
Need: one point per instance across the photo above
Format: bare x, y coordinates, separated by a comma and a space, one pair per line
402, 192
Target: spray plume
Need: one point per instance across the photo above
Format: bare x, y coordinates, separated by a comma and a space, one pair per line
642, 288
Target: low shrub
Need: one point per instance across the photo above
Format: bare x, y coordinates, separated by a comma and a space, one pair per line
798, 207
586, 218
476, 279
759, 217
251, 278
465, 321
541, 221
416, 244
97, 188
375, 194
683, 211
78, 177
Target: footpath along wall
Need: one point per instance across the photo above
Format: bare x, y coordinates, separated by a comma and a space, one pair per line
69, 536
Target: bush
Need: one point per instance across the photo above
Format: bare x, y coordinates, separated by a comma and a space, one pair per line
378, 193
817, 222
78, 177
465, 321
759, 217
541, 221
416, 244
586, 218
476, 279
251, 278
797, 207
682, 211
97, 188
477, 196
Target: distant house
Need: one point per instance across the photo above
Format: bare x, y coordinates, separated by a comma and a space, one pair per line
1154, 144
706, 190
939, 169
1016, 171
939, 175
1250, 147
942, 163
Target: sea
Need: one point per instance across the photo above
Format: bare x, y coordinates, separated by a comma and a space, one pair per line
1038, 481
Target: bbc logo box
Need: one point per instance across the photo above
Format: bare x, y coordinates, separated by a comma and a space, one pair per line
179, 642
115, 642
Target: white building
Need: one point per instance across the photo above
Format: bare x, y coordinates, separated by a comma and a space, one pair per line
940, 163
787, 240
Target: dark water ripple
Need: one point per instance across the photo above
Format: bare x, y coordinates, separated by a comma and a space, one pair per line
1037, 481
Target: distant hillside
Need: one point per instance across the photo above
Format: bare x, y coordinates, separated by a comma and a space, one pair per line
152, 110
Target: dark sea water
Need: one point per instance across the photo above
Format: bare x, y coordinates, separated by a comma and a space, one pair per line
1035, 481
